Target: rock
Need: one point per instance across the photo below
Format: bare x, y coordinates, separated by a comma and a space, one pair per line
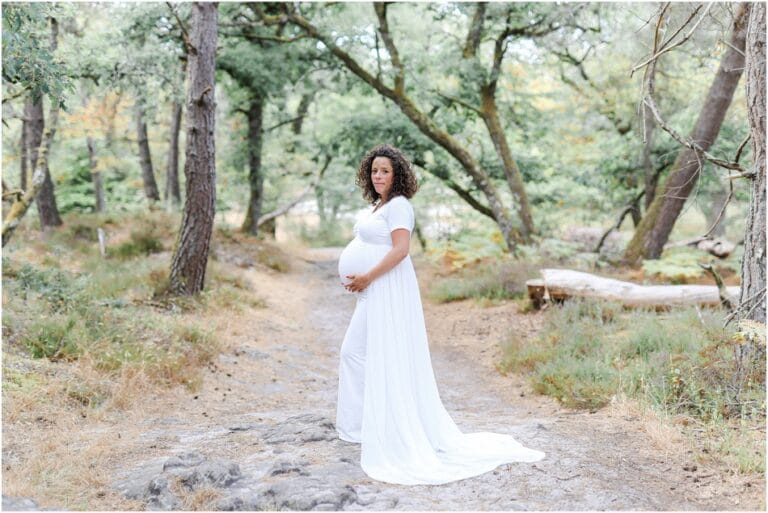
192, 470
188, 459
288, 466
19, 504
301, 493
218, 473
158, 497
301, 429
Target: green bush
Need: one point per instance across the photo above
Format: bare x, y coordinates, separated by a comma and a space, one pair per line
54, 338
142, 242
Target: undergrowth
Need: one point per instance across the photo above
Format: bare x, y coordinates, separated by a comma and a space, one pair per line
679, 362
113, 314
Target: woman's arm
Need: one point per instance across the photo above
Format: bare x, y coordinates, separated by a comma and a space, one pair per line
401, 240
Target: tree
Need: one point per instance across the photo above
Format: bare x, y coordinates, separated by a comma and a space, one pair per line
25, 198
480, 84
145, 157
261, 67
98, 182
654, 229
46, 198
172, 192
190, 256
753, 283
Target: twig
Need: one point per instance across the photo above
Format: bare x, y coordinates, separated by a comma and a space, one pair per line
722, 211
617, 225
665, 49
459, 101
721, 290
649, 101
743, 174
741, 147
287, 121
743, 304
733, 47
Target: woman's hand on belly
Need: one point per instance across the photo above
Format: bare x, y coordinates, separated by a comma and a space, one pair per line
358, 282
400, 245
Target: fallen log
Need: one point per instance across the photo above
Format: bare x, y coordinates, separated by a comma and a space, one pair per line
560, 284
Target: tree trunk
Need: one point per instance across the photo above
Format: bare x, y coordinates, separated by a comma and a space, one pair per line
490, 116
145, 157
23, 153
98, 182
752, 299
301, 113
46, 198
35, 124
190, 256
172, 192
255, 176
653, 232
20, 206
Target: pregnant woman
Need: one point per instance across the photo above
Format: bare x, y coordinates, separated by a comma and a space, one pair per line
388, 399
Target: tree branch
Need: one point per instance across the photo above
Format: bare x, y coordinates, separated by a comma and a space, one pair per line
463, 193
475, 31
461, 102
184, 33
285, 208
690, 144
287, 121
381, 14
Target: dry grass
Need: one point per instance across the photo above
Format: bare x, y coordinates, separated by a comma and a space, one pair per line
202, 499
664, 436
67, 421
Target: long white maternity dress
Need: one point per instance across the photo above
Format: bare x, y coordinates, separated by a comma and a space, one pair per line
388, 398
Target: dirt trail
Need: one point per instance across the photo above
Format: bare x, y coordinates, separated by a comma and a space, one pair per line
259, 434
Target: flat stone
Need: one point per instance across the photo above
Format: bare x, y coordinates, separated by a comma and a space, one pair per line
300, 429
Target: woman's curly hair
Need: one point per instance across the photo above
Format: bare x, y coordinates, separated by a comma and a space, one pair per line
403, 183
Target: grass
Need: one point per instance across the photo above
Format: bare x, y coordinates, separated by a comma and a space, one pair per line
102, 312
87, 340
679, 363
489, 280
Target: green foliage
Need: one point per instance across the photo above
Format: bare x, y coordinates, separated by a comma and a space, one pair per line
677, 265
142, 243
54, 338
60, 289
28, 60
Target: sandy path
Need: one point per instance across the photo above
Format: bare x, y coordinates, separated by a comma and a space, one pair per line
268, 406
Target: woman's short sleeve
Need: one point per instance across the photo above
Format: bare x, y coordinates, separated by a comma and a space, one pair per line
400, 214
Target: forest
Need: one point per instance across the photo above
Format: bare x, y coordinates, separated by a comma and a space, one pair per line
179, 179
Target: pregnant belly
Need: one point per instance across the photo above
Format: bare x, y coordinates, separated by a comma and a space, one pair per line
355, 259
360, 257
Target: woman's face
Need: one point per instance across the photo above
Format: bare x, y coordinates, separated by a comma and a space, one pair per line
382, 176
